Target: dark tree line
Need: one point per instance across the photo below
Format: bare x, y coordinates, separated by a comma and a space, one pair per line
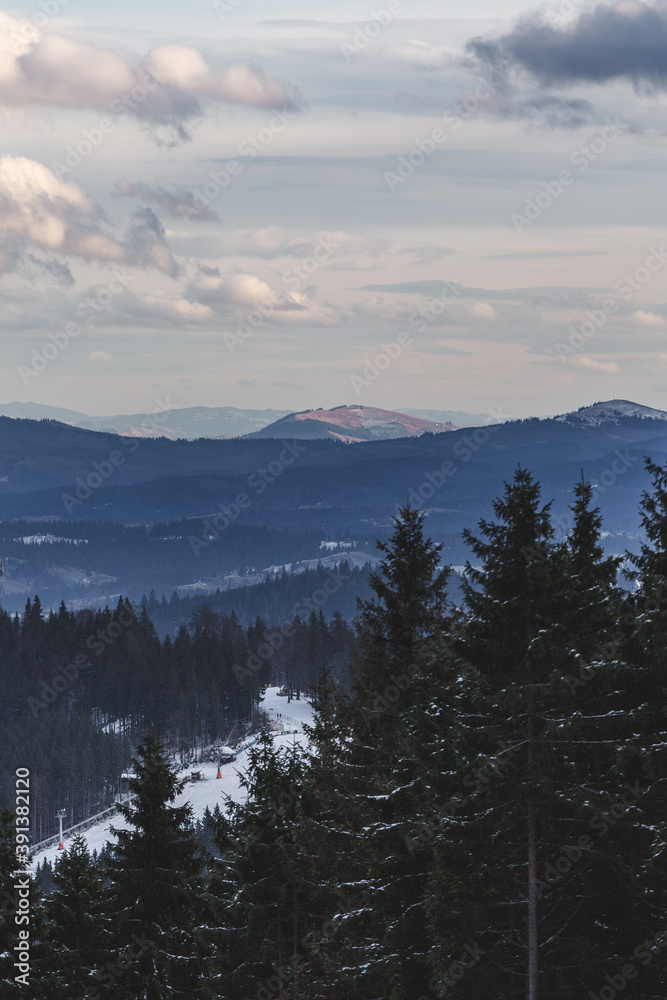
79, 690
481, 811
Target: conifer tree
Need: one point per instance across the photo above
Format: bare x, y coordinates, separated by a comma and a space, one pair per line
76, 926
155, 870
531, 874
381, 942
264, 889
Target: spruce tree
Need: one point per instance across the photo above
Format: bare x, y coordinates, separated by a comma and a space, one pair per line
379, 948
76, 926
155, 870
263, 886
535, 868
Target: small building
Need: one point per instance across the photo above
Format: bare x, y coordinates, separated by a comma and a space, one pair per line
227, 755
196, 776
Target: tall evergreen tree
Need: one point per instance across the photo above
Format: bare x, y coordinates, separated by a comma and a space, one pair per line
155, 871
531, 875
381, 942
76, 926
264, 890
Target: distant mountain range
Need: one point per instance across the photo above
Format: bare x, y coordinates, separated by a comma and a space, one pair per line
194, 422
189, 423
351, 424
211, 500
320, 484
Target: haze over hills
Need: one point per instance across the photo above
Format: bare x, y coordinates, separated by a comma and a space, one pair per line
194, 422
165, 421
200, 511
351, 424
457, 417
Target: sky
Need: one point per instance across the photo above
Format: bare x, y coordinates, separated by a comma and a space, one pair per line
407, 204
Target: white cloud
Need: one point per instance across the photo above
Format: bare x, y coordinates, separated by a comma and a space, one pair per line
483, 310
38, 209
648, 319
178, 308
102, 356
608, 367
165, 87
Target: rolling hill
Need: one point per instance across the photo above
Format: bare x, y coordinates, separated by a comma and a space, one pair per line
351, 424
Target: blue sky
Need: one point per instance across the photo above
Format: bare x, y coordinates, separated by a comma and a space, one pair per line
245, 204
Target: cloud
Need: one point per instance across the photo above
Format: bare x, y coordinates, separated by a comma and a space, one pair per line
178, 309
626, 39
39, 210
543, 254
648, 319
607, 367
102, 356
176, 201
165, 87
239, 295
147, 244
549, 297
483, 310
427, 253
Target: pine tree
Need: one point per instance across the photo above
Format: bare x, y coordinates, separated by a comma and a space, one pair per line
155, 870
264, 889
379, 949
76, 926
532, 875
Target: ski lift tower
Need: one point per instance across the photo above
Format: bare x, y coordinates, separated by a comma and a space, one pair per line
61, 815
2, 582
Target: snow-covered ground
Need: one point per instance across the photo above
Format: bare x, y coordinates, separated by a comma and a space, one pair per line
212, 790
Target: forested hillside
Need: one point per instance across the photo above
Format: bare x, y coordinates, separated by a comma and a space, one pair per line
79, 690
481, 813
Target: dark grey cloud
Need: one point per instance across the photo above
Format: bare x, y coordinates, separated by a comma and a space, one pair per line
626, 39
179, 202
55, 269
147, 246
549, 297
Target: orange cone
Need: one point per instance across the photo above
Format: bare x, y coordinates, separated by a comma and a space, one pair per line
219, 773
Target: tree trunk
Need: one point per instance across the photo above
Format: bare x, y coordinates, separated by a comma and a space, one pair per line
531, 991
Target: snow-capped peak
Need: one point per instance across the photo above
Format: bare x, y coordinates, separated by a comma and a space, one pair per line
611, 412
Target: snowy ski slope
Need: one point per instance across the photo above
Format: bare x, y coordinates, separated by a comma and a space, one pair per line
212, 789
